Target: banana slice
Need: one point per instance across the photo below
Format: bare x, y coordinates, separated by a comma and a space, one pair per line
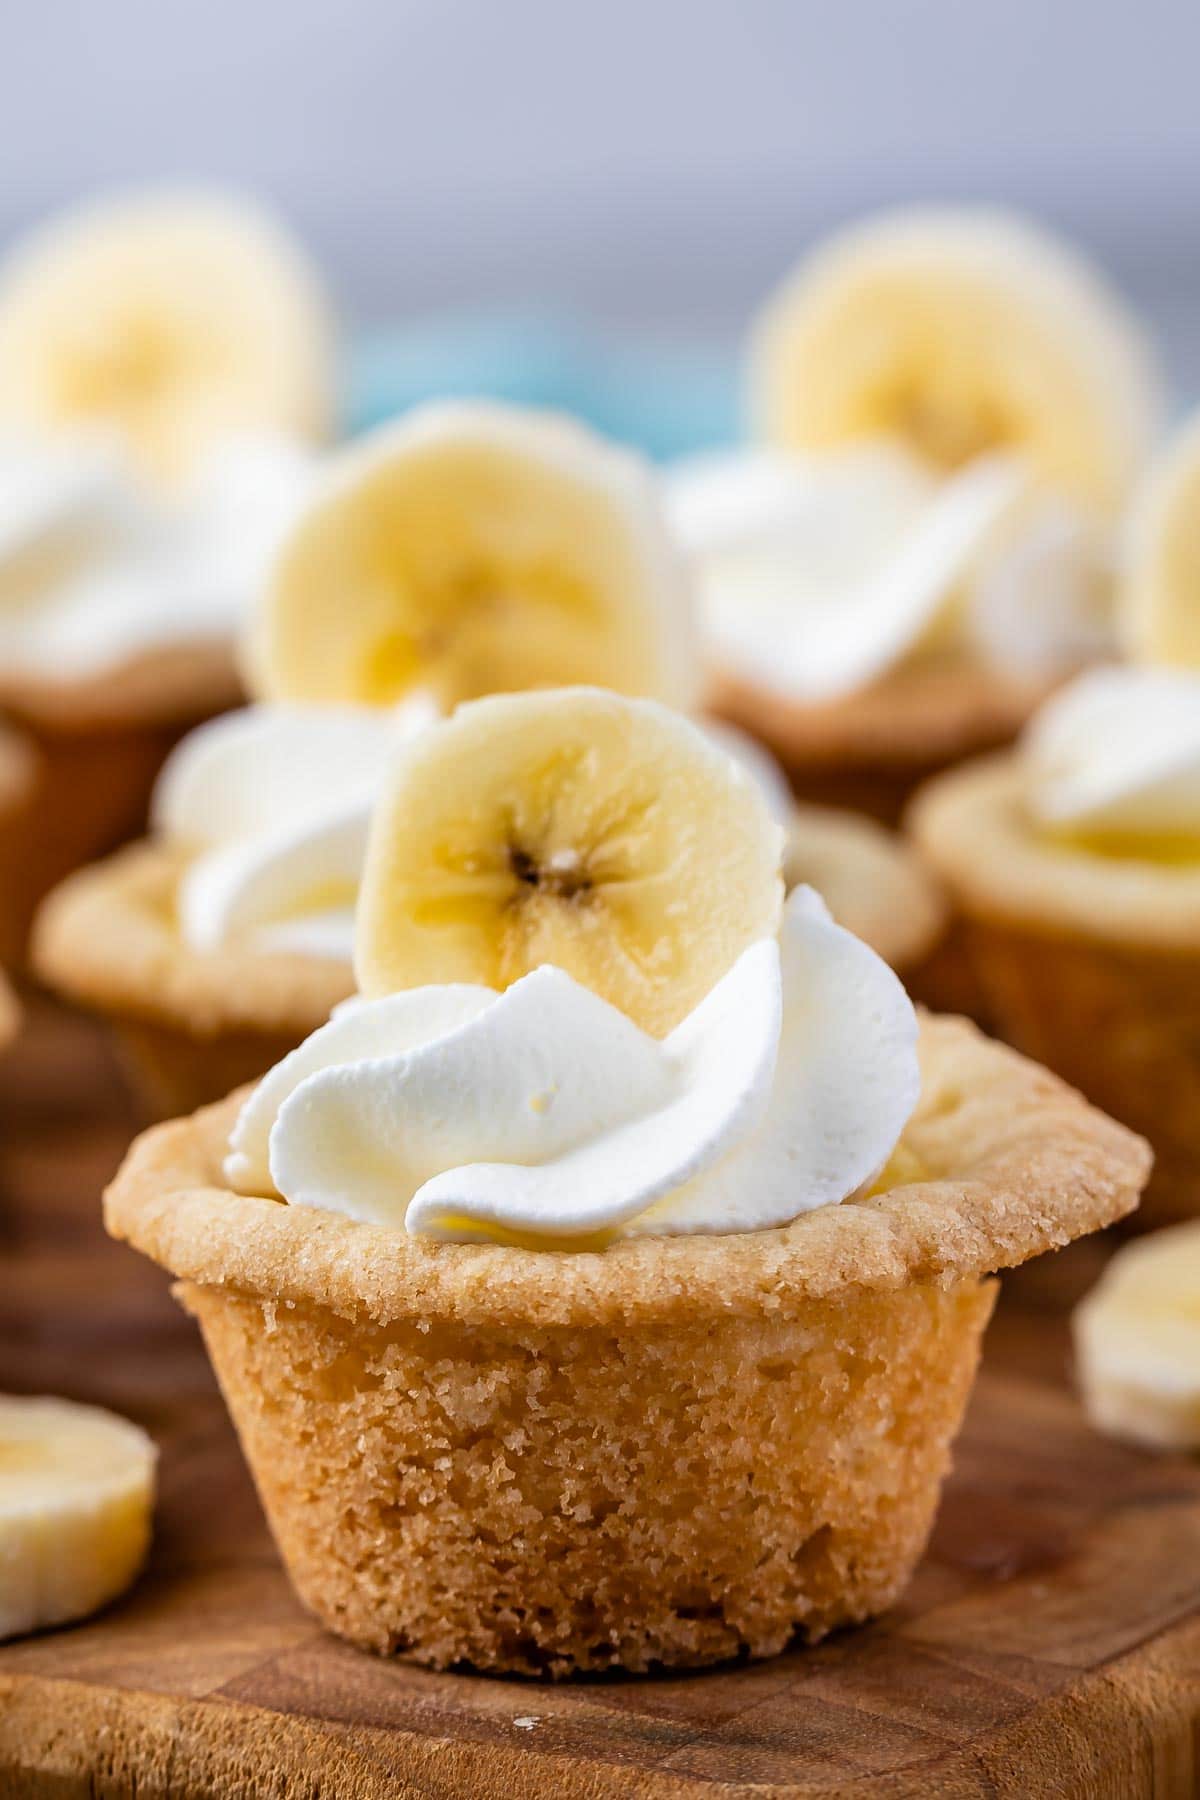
960, 332
76, 1498
176, 319
475, 549
1137, 1341
1160, 593
607, 836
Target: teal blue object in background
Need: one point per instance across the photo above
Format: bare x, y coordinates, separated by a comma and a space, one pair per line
664, 399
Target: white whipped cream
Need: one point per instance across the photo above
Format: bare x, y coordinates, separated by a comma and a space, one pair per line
272, 805
819, 573
1118, 752
545, 1115
95, 570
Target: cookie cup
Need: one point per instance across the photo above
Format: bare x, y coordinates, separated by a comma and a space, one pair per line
95, 745
1087, 961
190, 1025
667, 1453
870, 751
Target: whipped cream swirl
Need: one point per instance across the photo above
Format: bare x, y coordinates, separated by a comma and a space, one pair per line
95, 569
1117, 754
271, 805
819, 573
543, 1116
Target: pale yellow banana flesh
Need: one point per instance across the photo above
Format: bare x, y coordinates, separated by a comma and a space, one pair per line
464, 561
1137, 1341
573, 827
175, 320
76, 1498
959, 333
1160, 594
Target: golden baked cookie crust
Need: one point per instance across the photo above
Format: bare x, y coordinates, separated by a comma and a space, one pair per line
1018, 1164
667, 1454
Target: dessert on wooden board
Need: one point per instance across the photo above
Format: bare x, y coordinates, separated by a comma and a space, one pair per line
604, 1286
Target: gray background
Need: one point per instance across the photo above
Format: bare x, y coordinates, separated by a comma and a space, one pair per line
652, 166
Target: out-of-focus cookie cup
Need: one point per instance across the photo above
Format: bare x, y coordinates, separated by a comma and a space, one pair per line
190, 1024
947, 410
1088, 956
668, 1452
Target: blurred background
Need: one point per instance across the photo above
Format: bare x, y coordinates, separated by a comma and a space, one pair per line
583, 203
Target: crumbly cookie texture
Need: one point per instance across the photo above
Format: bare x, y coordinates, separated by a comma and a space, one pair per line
669, 1453
537, 1500
870, 750
871, 881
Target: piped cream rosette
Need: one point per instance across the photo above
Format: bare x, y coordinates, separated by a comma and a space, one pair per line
950, 409
584, 1015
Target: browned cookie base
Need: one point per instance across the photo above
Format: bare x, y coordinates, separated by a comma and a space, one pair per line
1123, 1026
545, 1501
87, 793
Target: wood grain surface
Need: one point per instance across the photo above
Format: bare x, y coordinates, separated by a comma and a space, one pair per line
1050, 1644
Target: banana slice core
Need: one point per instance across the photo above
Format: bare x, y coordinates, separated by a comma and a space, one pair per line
605, 836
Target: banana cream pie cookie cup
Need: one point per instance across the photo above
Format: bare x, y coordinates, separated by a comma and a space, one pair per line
948, 410
603, 1287
1076, 863
165, 361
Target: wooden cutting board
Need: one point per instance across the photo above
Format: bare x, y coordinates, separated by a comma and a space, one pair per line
1049, 1645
